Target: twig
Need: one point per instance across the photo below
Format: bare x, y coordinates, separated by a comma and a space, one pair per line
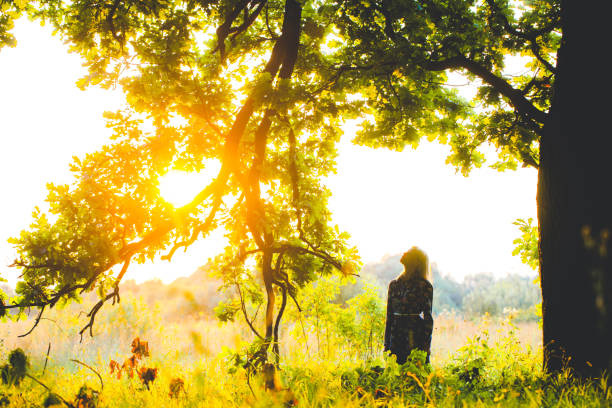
244, 312
272, 34
53, 321
42, 309
94, 311
46, 359
248, 381
217, 201
97, 373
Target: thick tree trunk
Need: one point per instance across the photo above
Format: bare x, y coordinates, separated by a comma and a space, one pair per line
575, 206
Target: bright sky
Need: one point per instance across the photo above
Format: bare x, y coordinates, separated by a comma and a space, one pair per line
388, 201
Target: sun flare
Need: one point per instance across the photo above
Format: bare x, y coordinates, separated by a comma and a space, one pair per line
180, 187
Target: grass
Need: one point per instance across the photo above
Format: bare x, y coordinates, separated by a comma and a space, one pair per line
474, 363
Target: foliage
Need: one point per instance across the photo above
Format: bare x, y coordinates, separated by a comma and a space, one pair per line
318, 313
400, 54
410, 381
9, 12
362, 323
251, 103
86, 398
177, 387
52, 400
477, 365
355, 327
185, 82
15, 370
526, 245
509, 375
140, 350
512, 293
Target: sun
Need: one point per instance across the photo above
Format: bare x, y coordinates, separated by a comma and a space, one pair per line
180, 187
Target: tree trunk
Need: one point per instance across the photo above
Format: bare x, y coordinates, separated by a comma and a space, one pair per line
575, 205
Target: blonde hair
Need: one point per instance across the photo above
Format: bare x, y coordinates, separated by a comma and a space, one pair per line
416, 264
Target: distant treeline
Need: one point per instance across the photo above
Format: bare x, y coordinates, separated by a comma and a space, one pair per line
478, 294
197, 294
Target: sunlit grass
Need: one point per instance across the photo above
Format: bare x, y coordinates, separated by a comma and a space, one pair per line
198, 350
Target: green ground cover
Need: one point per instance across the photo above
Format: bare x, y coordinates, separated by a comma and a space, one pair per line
486, 371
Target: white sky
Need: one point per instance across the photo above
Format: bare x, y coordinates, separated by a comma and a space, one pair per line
388, 201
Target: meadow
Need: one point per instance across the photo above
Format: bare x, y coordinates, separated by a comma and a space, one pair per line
193, 362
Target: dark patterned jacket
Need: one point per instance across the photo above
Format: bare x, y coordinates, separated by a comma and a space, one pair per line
409, 321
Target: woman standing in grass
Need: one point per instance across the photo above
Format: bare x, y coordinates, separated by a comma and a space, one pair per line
409, 321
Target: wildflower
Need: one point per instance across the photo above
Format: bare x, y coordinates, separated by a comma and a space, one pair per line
147, 375
140, 348
177, 385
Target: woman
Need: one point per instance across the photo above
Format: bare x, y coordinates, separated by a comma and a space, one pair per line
409, 321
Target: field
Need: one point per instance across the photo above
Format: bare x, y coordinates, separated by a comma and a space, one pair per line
474, 363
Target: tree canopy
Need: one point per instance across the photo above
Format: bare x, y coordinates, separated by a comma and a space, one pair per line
9, 12
402, 52
204, 82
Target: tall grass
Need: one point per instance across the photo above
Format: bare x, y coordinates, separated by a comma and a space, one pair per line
474, 363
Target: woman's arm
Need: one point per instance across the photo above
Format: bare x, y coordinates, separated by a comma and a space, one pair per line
389, 323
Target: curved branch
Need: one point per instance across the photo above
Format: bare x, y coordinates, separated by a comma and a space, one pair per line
523, 106
535, 49
531, 37
344, 68
273, 35
197, 230
248, 19
114, 295
214, 188
224, 29
94, 311
319, 254
55, 297
244, 312
40, 313
95, 372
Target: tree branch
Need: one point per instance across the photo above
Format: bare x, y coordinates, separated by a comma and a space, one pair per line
111, 25
248, 18
523, 106
94, 311
273, 35
224, 29
319, 254
197, 230
40, 313
244, 312
531, 37
94, 371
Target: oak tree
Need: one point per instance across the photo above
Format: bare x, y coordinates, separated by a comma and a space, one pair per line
542, 114
237, 82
